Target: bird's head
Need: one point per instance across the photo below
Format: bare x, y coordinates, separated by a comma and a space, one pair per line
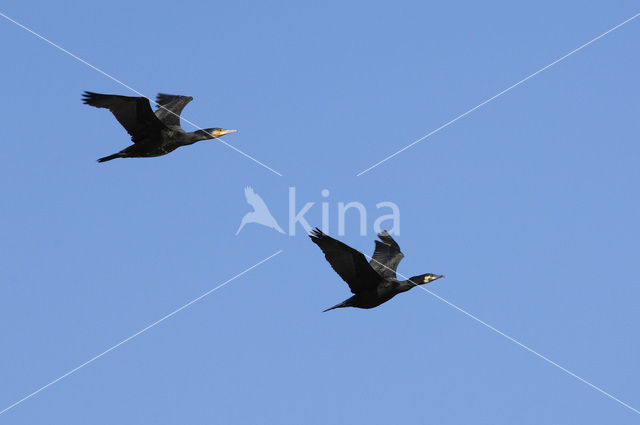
212, 133
423, 279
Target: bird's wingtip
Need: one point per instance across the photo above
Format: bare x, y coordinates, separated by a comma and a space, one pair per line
316, 234
86, 96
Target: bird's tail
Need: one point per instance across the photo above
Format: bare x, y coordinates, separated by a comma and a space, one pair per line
110, 157
342, 304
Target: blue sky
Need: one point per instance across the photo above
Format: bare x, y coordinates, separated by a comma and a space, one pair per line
529, 206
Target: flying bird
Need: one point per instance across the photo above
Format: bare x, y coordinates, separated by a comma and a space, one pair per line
152, 134
374, 282
260, 213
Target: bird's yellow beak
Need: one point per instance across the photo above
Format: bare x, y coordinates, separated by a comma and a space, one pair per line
222, 132
429, 279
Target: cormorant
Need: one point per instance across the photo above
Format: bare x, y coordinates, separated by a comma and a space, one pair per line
374, 282
152, 134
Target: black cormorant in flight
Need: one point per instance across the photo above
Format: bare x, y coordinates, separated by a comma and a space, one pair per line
374, 282
152, 134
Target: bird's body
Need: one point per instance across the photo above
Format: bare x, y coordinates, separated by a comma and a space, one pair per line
374, 282
370, 298
152, 134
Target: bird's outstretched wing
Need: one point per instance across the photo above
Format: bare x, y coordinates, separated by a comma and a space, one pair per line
386, 256
349, 263
133, 113
171, 107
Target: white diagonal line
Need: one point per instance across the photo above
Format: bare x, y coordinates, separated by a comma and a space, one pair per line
498, 95
531, 350
138, 333
241, 153
62, 49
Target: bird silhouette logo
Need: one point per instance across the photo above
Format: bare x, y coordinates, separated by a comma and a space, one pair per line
260, 213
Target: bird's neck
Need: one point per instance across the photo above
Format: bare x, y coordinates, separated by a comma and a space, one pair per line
404, 286
196, 137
